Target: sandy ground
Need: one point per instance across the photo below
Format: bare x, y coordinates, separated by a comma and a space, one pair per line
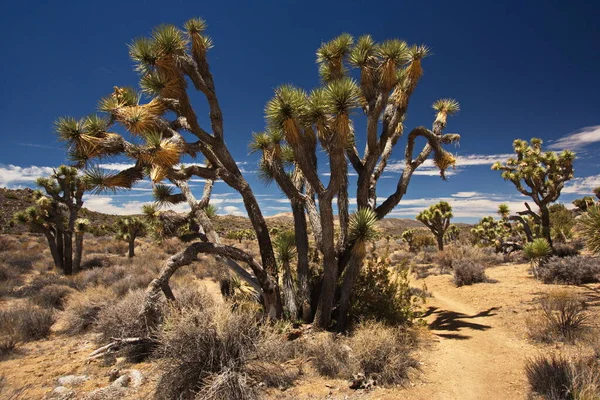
475, 349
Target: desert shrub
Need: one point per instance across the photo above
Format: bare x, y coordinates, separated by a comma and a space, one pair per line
25, 323
82, 309
192, 296
130, 282
383, 294
561, 316
52, 296
537, 252
570, 270
550, 376
9, 332
38, 282
382, 352
197, 344
428, 254
422, 240
22, 260
7, 243
116, 247
589, 225
452, 254
171, 245
468, 272
565, 250
329, 356
121, 320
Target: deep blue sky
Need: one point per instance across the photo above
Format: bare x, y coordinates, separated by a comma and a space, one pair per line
519, 69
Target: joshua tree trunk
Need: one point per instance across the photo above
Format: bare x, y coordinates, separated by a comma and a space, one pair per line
68, 253
303, 271
53, 249
289, 292
440, 241
351, 273
545, 222
131, 243
78, 251
330, 267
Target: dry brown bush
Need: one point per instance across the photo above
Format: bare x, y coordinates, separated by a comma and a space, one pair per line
468, 272
329, 355
227, 385
24, 323
82, 309
561, 316
383, 353
452, 254
38, 282
52, 296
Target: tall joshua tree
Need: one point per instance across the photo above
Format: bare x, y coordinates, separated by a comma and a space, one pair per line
300, 125
539, 175
55, 215
129, 229
437, 219
285, 249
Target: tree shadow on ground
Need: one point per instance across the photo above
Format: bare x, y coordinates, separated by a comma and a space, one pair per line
453, 321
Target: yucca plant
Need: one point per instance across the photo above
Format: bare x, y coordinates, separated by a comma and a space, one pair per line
437, 219
285, 248
589, 226
537, 252
129, 229
539, 175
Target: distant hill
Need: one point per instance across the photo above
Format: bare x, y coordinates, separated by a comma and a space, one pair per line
14, 200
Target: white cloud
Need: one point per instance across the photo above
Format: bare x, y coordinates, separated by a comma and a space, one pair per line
116, 166
12, 176
465, 194
233, 210
582, 185
578, 139
428, 168
107, 205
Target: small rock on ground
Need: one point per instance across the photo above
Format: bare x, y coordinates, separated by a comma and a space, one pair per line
72, 380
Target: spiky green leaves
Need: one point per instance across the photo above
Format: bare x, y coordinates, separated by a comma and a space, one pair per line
341, 96
162, 194
446, 106
195, 25
361, 227
143, 52
287, 104
168, 40
363, 52
330, 57
503, 210
82, 225
589, 224
68, 129
285, 246
129, 228
537, 250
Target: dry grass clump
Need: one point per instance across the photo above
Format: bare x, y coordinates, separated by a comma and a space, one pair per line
556, 378
329, 355
383, 353
21, 260
24, 323
227, 385
197, 344
82, 309
453, 254
38, 282
468, 272
52, 296
561, 316
570, 270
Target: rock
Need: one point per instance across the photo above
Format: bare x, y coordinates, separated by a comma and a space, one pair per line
122, 381
72, 380
109, 392
360, 381
114, 374
61, 393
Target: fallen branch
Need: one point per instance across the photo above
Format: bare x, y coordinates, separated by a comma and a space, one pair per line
117, 344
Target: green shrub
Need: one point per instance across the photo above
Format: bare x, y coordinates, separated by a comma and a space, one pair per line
383, 294
589, 225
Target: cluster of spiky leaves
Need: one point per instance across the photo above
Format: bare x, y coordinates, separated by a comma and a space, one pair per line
130, 227
491, 232
362, 225
285, 246
537, 251
452, 234
543, 173
589, 224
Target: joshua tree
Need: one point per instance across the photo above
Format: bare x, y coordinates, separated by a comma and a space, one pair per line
437, 219
409, 236
452, 234
56, 216
503, 211
129, 229
285, 249
539, 175
300, 125
537, 252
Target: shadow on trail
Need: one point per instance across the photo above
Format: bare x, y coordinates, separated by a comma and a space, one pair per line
456, 322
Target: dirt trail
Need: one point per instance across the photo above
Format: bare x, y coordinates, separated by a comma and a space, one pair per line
475, 358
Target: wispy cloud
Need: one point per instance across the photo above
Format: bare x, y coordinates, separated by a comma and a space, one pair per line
578, 139
232, 210
428, 168
116, 166
584, 185
12, 176
39, 146
109, 205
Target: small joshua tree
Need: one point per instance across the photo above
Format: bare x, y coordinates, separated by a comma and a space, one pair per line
129, 229
409, 236
452, 234
285, 250
55, 215
437, 219
539, 175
